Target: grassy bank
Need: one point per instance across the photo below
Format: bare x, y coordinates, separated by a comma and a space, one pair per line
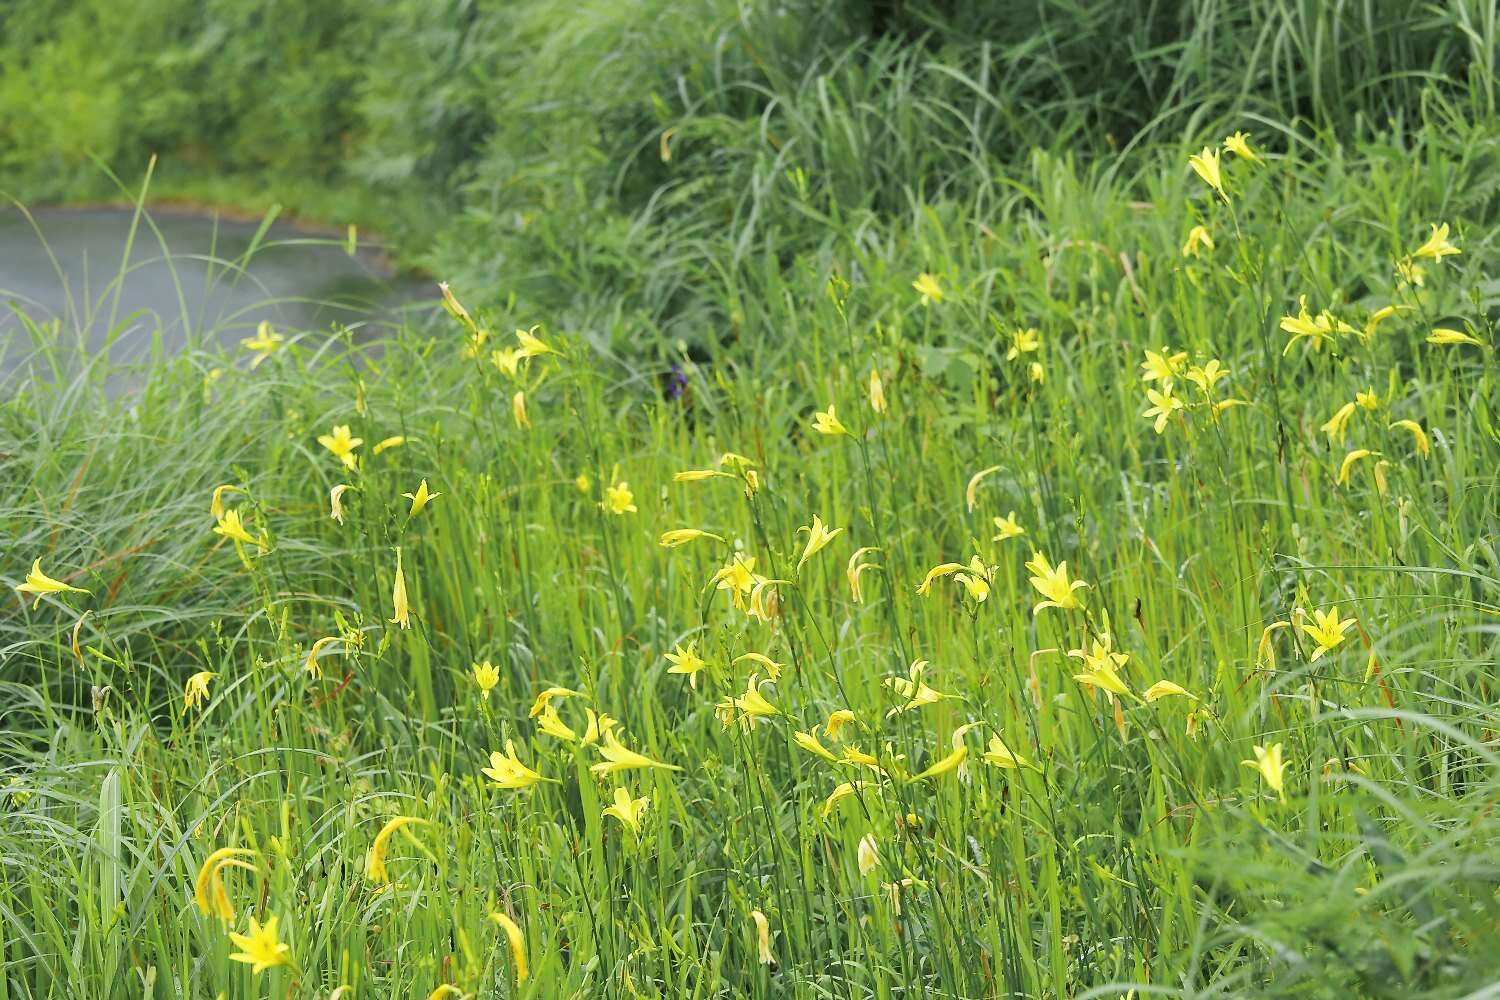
868, 280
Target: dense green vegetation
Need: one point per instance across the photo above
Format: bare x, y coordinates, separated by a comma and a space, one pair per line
727, 225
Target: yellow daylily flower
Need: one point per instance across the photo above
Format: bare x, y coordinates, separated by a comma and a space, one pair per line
971, 491
507, 771
544, 698
1379, 316
261, 949
1002, 756
232, 527
841, 791
1367, 400
914, 689
551, 724
516, 942
618, 758
1239, 145
867, 857
818, 537
1166, 689
386, 444
420, 499
1265, 653
809, 741
1437, 246
937, 572
216, 502
1163, 405
341, 444
827, 422
39, 583
773, 669
1206, 376
1327, 631
1007, 527
686, 661
618, 499
265, 343
486, 676
854, 569
1196, 237
752, 706
532, 345
375, 869
976, 581
1163, 366
1053, 584
518, 410
837, 720
627, 810
1337, 424
698, 475
927, 286
1206, 166
1027, 341
311, 663
877, 391
951, 762
507, 359
1271, 766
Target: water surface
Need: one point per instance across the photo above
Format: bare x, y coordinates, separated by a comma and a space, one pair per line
178, 280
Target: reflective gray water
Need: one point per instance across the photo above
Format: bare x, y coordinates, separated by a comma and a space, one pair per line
187, 280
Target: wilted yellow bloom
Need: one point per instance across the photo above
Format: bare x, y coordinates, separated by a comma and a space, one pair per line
265, 343
627, 810
1265, 653
336, 502
618, 758
39, 583
1037, 373
866, 855
854, 569
516, 942
531, 344
545, 698
827, 422
386, 444
507, 771
1163, 405
1163, 366
208, 889
1437, 246
681, 536
195, 691
971, 492
1007, 527
231, 527
818, 537
486, 676
1337, 424
1166, 689
936, 573
341, 443
1053, 584
1270, 765
518, 410
1327, 631
398, 596
1419, 436
618, 499
420, 499
1444, 337
686, 661
877, 391
453, 307
809, 741
1196, 237
1026, 341
1347, 465
216, 503
1410, 272
311, 663
1002, 756
1239, 145
1206, 166
762, 937
375, 859
261, 949
927, 286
